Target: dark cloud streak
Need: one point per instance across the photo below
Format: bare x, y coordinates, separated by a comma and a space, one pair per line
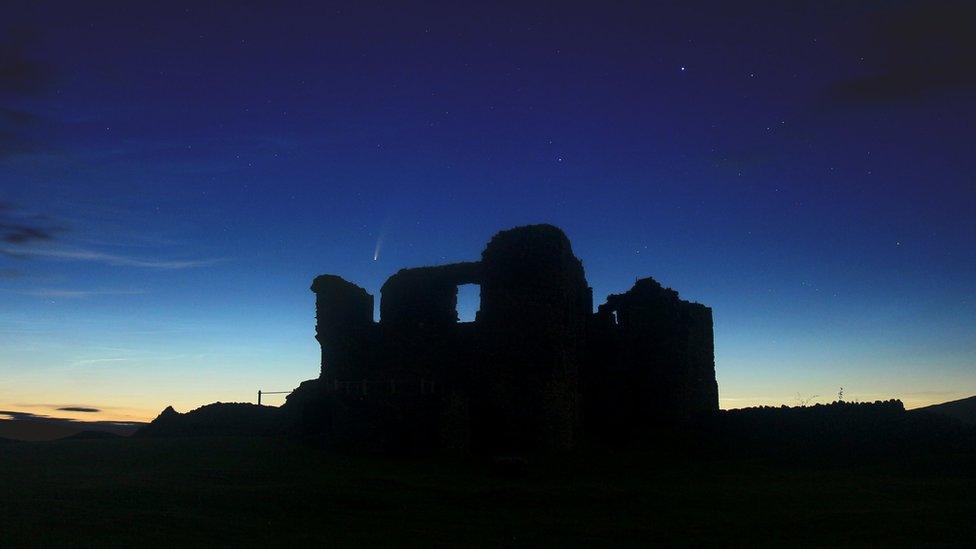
912, 51
19, 227
19, 72
21, 76
79, 409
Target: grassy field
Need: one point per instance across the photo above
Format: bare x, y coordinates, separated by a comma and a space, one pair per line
129, 492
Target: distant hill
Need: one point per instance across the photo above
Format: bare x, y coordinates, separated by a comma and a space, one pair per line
89, 435
964, 410
43, 428
37, 430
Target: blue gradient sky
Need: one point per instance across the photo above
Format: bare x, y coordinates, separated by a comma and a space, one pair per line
805, 171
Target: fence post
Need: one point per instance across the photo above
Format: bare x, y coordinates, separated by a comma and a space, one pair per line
259, 397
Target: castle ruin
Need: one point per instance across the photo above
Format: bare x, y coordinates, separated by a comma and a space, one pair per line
537, 370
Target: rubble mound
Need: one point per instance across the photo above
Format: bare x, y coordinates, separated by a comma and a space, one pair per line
217, 419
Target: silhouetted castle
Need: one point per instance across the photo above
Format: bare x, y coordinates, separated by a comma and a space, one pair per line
536, 370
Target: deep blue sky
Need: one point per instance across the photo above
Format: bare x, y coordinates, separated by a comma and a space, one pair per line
173, 176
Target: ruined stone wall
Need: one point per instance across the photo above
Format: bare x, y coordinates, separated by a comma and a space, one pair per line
534, 367
650, 360
422, 340
425, 298
534, 305
344, 325
401, 382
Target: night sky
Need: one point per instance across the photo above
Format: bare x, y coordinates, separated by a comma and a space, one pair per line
173, 176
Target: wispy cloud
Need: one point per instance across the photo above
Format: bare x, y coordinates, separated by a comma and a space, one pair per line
140, 358
67, 407
107, 258
75, 294
90, 361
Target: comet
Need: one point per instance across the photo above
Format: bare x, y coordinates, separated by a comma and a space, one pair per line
379, 245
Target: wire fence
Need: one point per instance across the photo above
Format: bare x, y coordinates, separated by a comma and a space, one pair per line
262, 393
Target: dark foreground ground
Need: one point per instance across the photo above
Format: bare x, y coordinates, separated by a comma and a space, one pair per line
205, 491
